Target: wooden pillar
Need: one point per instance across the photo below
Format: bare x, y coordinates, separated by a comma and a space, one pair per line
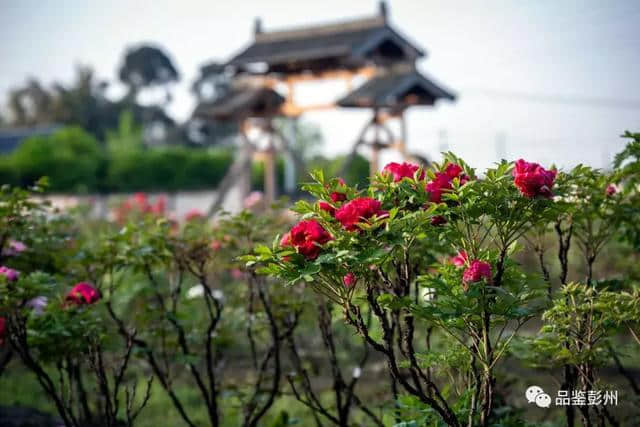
375, 146
402, 144
270, 172
244, 178
290, 169
373, 163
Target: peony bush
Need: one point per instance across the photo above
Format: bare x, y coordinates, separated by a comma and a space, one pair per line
424, 266
408, 302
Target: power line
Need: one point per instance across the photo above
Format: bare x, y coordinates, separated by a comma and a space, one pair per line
618, 103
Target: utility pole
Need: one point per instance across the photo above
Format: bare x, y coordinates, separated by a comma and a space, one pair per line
501, 146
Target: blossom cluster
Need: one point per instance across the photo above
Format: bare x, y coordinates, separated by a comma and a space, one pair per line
308, 237
82, 293
139, 203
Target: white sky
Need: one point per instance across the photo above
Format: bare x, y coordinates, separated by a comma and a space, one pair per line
483, 50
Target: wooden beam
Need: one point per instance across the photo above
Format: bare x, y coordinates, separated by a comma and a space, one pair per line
270, 174
271, 81
403, 136
373, 163
294, 110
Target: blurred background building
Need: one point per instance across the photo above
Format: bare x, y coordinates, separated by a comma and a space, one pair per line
154, 99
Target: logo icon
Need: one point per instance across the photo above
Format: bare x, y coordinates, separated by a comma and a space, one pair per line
536, 394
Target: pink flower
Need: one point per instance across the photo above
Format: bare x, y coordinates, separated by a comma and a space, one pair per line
533, 180
141, 200
139, 204
306, 237
443, 182
349, 279
83, 293
253, 199
461, 259
359, 210
14, 248
159, 207
611, 190
38, 304
402, 170
194, 214
215, 245
478, 270
237, 274
11, 274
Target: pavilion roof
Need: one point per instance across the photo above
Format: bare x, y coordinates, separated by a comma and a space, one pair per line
242, 102
394, 90
347, 44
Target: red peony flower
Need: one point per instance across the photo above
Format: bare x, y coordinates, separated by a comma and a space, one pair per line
327, 207
443, 181
83, 293
194, 214
477, 271
533, 180
11, 274
461, 259
611, 190
306, 237
438, 220
349, 280
285, 240
453, 171
358, 210
402, 170
159, 207
3, 329
141, 200
336, 196
437, 186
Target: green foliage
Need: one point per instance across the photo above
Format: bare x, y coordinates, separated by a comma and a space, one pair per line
75, 162
357, 174
71, 158
188, 302
578, 323
628, 179
126, 139
257, 175
167, 169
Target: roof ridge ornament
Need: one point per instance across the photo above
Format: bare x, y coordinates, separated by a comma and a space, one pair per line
257, 26
384, 10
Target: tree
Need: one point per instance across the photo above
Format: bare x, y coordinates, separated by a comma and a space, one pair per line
146, 66
84, 104
31, 104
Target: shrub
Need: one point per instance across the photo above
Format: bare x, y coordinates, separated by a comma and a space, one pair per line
385, 252
257, 175
168, 169
71, 158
